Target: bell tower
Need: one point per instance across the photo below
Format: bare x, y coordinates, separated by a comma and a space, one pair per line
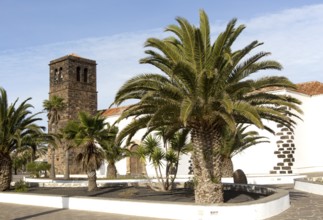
72, 78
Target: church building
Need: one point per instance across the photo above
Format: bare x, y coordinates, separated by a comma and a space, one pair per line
288, 152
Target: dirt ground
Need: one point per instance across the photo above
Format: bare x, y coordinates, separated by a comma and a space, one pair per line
140, 193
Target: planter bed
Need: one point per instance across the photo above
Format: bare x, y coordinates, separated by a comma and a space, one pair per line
259, 202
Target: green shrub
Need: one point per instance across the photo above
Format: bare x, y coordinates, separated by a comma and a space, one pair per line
35, 168
21, 186
44, 167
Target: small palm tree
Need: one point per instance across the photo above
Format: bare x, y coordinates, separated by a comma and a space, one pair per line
113, 151
175, 144
234, 143
88, 133
205, 87
54, 107
16, 122
151, 149
165, 154
180, 145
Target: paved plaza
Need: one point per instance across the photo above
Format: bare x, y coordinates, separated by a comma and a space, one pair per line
304, 206
24, 212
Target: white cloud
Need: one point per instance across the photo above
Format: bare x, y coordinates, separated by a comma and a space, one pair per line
293, 36
294, 39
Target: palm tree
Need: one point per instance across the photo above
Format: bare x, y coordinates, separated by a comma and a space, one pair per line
113, 151
16, 122
234, 143
175, 144
151, 149
165, 153
36, 143
179, 145
88, 133
54, 107
205, 87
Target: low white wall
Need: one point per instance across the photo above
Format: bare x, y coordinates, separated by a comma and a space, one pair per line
310, 187
268, 179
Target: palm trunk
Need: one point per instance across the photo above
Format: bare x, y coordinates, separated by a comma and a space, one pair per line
111, 171
91, 180
33, 154
67, 165
145, 173
52, 167
207, 166
175, 172
161, 178
227, 167
161, 186
5, 172
167, 182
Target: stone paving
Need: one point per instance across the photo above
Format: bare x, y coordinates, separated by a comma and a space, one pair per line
304, 206
24, 212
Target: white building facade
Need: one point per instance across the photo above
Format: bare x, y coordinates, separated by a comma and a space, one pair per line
289, 152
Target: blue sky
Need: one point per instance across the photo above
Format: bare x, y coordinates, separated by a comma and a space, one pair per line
113, 33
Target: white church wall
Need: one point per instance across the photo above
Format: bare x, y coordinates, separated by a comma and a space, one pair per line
122, 164
308, 137
261, 159
258, 159
183, 167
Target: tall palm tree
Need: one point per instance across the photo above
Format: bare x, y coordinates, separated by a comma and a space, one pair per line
234, 143
54, 107
16, 122
205, 87
88, 133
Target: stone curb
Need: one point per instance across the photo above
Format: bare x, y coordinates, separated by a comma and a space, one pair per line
309, 185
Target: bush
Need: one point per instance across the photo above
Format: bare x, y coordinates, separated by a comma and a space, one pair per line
36, 168
21, 186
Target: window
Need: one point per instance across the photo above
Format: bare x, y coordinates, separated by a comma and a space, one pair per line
78, 74
56, 76
60, 74
85, 76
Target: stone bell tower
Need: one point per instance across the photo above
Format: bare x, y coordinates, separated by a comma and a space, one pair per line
72, 78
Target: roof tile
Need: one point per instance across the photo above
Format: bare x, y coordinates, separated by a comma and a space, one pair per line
114, 111
310, 88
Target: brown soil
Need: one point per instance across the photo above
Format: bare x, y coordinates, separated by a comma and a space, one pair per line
141, 193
